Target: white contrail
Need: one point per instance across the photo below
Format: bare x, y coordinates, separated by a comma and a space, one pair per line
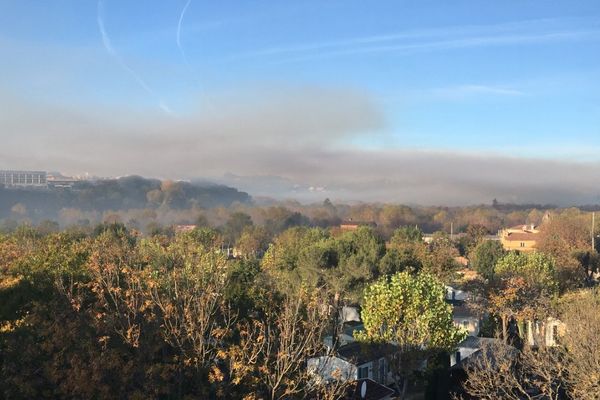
184, 55
111, 50
181, 16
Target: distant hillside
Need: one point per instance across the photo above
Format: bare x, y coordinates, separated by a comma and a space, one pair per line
117, 194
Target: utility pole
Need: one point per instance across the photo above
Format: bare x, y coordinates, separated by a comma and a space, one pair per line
593, 229
451, 231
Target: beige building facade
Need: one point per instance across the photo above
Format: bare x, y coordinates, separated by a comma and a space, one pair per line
522, 238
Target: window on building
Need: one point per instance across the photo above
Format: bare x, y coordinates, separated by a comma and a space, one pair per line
363, 372
382, 372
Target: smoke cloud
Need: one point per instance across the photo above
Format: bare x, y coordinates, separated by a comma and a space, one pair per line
292, 142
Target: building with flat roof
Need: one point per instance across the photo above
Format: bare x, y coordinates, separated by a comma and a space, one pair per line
23, 179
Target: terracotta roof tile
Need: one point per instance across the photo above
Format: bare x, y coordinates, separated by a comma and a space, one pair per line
524, 236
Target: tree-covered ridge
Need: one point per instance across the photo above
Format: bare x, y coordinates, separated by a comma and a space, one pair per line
131, 192
146, 204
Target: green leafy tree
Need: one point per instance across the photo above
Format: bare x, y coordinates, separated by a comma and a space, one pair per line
485, 256
440, 260
242, 291
409, 311
310, 256
407, 234
359, 255
398, 260
537, 269
298, 255
407, 251
207, 237
235, 226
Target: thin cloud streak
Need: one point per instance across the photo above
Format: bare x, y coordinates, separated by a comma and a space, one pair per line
483, 41
111, 50
520, 32
465, 91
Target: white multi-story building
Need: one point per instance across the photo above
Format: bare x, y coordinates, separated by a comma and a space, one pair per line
17, 179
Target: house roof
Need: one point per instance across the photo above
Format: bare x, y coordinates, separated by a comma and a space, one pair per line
358, 223
523, 227
521, 236
185, 228
475, 342
375, 391
360, 353
484, 348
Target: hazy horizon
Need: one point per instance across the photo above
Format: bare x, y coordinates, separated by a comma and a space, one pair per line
422, 103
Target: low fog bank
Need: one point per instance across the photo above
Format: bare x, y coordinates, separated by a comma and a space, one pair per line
428, 178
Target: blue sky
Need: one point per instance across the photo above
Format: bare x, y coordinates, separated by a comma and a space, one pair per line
505, 78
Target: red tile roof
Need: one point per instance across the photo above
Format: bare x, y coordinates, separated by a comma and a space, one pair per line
521, 237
